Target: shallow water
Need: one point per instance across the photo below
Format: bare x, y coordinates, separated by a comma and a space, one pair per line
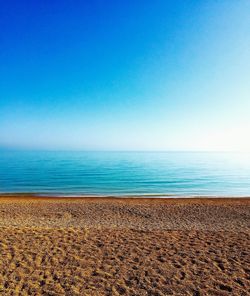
125, 173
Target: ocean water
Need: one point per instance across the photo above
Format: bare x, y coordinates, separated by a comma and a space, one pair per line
125, 173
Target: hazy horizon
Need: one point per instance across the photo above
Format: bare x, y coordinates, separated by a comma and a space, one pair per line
37, 149
125, 76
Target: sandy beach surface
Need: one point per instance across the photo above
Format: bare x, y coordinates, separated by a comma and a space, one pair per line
111, 246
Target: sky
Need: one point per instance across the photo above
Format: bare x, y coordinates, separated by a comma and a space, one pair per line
125, 75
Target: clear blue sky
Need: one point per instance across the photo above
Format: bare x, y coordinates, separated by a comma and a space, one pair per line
125, 75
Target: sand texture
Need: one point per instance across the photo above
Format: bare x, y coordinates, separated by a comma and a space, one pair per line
111, 246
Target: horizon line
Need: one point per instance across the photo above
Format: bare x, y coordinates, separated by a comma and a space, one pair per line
118, 150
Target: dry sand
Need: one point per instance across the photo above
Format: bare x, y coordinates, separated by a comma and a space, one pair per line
107, 246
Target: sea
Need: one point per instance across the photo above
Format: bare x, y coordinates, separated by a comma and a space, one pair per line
152, 174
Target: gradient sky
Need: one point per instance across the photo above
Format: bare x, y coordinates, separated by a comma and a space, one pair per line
125, 75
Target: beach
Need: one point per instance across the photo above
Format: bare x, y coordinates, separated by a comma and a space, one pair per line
124, 246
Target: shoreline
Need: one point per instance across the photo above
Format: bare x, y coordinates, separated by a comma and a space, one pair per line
145, 197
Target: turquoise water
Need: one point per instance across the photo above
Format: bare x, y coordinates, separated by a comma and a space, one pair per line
125, 173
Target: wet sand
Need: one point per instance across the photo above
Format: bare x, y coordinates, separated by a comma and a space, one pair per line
111, 246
